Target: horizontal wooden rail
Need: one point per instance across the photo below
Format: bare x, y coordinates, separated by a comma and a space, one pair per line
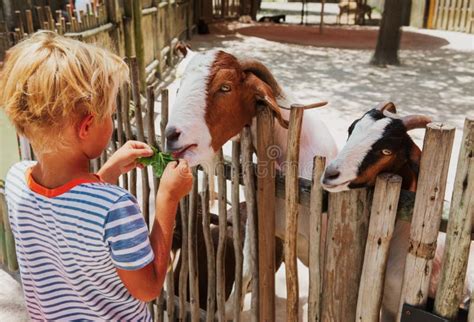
91, 32
405, 203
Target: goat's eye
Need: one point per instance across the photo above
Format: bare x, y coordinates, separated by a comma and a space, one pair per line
386, 152
225, 88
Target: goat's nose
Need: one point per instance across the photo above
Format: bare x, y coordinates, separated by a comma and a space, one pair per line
331, 173
172, 134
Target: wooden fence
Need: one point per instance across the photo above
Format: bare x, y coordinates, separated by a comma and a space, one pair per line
455, 15
348, 272
147, 29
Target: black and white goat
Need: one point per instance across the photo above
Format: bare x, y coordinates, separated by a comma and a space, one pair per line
378, 142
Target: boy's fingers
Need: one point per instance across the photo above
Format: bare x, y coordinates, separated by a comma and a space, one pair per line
140, 148
172, 165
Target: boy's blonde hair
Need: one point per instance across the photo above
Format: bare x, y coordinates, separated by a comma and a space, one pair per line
49, 81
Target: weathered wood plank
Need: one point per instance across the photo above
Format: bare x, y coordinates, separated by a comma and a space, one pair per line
211, 257
237, 230
220, 262
427, 213
266, 214
348, 218
291, 206
458, 241
315, 254
251, 232
192, 250
381, 227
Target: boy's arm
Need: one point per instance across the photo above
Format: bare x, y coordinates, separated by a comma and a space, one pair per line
146, 283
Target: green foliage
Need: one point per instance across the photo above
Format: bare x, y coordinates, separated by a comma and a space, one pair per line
158, 161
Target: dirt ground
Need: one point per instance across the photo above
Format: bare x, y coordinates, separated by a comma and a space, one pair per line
337, 37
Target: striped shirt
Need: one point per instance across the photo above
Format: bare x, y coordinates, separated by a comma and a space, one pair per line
69, 242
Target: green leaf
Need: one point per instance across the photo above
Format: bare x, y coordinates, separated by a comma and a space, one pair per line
158, 161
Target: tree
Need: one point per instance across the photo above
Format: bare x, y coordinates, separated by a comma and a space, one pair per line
388, 41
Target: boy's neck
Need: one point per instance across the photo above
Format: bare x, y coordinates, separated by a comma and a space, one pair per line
55, 170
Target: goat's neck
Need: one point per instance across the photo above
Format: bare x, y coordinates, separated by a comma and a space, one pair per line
409, 177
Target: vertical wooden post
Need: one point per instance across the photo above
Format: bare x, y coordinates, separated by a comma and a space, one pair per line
220, 265
140, 135
236, 229
139, 46
128, 28
150, 116
321, 15
381, 227
348, 218
192, 251
291, 206
164, 116
427, 212
11, 260
315, 256
251, 202
211, 257
183, 274
128, 134
3, 228
458, 236
266, 214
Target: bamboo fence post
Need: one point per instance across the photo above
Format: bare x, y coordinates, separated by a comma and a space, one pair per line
20, 21
458, 236
236, 228
211, 257
128, 134
266, 214
291, 206
192, 251
139, 46
427, 212
164, 116
140, 136
381, 227
3, 228
120, 132
29, 22
315, 256
183, 273
251, 202
348, 218
150, 116
128, 28
11, 260
220, 255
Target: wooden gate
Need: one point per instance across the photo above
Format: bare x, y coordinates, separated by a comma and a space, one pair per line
455, 15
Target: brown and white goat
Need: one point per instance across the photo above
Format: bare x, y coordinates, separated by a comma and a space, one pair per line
378, 142
218, 95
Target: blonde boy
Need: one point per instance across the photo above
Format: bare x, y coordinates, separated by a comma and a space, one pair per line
82, 245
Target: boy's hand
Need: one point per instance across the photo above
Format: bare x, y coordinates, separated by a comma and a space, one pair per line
177, 180
124, 160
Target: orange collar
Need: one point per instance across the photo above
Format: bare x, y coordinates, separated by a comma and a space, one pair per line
51, 193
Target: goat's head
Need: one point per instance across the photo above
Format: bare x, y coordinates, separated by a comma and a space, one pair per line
218, 96
377, 142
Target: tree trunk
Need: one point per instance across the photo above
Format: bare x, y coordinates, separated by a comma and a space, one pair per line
388, 42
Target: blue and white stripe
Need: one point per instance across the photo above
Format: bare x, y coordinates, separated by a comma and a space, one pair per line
69, 247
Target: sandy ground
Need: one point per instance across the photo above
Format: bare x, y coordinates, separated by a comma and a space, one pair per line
437, 81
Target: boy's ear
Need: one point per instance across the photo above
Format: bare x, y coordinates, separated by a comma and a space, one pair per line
85, 126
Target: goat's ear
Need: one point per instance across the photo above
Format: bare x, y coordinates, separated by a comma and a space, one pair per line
182, 47
262, 93
387, 106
